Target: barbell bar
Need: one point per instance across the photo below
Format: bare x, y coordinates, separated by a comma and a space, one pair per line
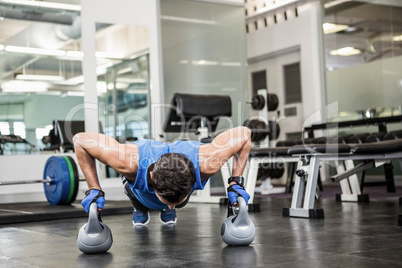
60, 180
259, 129
258, 102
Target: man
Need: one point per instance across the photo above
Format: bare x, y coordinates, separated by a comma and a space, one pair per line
159, 175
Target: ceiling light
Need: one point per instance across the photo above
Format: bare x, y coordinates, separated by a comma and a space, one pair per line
117, 85
397, 38
129, 80
52, 93
137, 91
330, 28
75, 54
23, 86
189, 20
109, 55
39, 77
335, 3
204, 62
345, 51
58, 6
73, 81
125, 70
75, 93
38, 51
235, 64
1, 47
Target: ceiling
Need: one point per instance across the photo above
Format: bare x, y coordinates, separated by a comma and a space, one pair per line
371, 29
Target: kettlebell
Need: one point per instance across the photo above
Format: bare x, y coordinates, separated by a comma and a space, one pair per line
94, 236
238, 229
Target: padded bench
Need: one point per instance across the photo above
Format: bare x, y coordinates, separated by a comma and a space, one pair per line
309, 157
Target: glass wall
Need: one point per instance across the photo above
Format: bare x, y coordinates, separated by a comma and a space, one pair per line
124, 108
204, 52
41, 77
38, 63
363, 46
123, 105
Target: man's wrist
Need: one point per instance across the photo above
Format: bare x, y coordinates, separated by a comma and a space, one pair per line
236, 180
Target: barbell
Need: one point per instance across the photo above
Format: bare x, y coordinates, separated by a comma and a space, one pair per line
259, 129
258, 102
60, 180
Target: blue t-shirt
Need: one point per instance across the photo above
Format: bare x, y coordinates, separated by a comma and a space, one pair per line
149, 152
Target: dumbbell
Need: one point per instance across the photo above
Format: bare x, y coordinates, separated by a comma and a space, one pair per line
258, 102
60, 180
358, 138
375, 137
260, 130
270, 170
393, 135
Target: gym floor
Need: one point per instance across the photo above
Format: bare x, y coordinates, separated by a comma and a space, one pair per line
351, 235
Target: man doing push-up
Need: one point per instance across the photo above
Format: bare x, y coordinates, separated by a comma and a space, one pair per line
162, 176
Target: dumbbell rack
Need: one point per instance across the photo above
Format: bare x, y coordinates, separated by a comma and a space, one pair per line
266, 187
205, 195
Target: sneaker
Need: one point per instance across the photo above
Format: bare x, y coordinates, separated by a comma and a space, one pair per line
168, 216
140, 218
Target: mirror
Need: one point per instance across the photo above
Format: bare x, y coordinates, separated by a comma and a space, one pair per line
123, 81
41, 77
363, 48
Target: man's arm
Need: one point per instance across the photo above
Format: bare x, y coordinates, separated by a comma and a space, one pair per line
121, 157
234, 142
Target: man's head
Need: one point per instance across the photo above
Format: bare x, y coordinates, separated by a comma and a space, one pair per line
173, 177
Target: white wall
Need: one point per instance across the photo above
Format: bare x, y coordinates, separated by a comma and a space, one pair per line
302, 33
369, 85
40, 110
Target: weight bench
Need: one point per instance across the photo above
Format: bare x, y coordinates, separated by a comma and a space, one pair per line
309, 158
199, 114
66, 130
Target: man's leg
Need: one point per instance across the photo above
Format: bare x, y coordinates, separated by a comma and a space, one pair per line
140, 212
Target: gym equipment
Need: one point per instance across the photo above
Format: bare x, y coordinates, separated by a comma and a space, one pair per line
393, 135
199, 114
94, 236
310, 157
270, 170
375, 137
358, 138
238, 229
260, 130
60, 180
258, 102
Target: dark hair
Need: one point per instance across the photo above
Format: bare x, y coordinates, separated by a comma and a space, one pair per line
173, 177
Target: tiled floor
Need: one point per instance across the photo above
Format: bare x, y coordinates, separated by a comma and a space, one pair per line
351, 235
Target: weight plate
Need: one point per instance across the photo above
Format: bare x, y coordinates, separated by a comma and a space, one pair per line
275, 130
76, 179
273, 102
57, 190
257, 102
71, 188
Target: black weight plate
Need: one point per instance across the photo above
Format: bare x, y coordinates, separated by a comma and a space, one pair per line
274, 130
273, 102
258, 102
